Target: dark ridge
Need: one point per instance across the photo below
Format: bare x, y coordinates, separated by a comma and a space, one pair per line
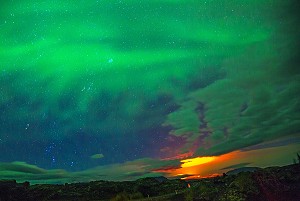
242, 169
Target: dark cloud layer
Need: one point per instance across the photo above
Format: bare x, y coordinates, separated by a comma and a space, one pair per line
131, 170
256, 102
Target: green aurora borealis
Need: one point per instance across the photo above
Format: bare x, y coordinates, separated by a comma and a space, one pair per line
120, 89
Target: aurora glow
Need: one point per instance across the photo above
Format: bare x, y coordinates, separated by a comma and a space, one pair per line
126, 89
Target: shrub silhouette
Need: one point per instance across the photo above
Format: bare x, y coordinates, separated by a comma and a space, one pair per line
121, 197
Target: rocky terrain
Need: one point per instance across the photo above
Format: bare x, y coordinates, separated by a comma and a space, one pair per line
271, 184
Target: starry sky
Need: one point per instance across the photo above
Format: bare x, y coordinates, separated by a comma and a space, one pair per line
123, 89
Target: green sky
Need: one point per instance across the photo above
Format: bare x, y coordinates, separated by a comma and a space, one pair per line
129, 80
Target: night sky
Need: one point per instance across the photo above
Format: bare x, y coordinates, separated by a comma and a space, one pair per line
119, 90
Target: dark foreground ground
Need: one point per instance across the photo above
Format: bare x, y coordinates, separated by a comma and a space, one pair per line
271, 184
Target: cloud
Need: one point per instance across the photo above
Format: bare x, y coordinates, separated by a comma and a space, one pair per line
257, 101
97, 156
21, 167
22, 171
289, 140
131, 170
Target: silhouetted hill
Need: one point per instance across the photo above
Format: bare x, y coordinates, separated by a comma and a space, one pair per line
273, 184
243, 169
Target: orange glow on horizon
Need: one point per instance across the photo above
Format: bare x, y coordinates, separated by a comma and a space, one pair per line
205, 167
196, 161
193, 177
